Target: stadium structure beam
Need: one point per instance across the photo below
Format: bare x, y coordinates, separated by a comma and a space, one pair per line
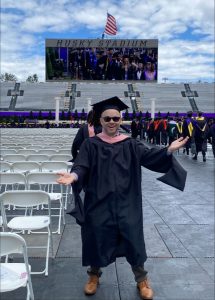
153, 107
57, 109
14, 95
191, 96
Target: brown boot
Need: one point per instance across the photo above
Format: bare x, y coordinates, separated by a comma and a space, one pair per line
145, 290
92, 284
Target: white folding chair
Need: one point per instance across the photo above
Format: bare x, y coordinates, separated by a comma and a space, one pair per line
8, 144
58, 166
35, 147
12, 181
7, 151
29, 222
64, 151
5, 166
47, 151
14, 157
25, 167
54, 166
14, 275
16, 147
60, 157
26, 151
37, 157
56, 145
47, 181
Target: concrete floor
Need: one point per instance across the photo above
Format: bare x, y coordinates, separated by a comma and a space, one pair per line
179, 236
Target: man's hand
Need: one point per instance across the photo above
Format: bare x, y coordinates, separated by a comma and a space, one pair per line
177, 144
66, 178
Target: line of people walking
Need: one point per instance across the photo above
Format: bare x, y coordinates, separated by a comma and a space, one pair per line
163, 131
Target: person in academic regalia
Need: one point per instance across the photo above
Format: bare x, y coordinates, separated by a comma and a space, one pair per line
87, 130
201, 133
108, 169
188, 129
135, 128
211, 135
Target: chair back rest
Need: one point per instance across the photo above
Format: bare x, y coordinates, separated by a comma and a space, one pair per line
12, 178
37, 157
26, 166
60, 157
42, 178
54, 166
47, 151
5, 167
11, 242
16, 147
26, 151
46, 181
14, 157
7, 151
35, 147
26, 198
64, 151
8, 144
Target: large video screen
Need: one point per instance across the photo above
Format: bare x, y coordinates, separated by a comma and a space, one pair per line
100, 59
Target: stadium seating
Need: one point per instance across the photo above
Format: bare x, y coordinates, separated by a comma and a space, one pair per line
41, 96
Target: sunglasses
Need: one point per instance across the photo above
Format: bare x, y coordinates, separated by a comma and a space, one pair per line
108, 119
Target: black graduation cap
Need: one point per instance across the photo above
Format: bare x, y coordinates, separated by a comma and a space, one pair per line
189, 113
111, 103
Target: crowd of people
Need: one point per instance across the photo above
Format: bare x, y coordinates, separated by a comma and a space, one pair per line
163, 131
113, 64
158, 131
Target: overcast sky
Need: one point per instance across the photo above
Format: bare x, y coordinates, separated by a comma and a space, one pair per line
184, 28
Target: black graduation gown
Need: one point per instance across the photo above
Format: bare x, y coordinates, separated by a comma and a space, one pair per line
201, 132
111, 218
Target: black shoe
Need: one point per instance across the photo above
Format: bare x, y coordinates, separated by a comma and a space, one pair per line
204, 158
194, 157
184, 150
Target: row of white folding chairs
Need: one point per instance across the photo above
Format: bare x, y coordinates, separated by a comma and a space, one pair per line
59, 142
26, 167
33, 166
25, 132
29, 199
47, 151
36, 157
41, 181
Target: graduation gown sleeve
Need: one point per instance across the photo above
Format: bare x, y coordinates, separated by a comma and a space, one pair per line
80, 167
159, 161
81, 135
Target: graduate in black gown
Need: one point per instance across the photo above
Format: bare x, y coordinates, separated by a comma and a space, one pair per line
90, 129
108, 168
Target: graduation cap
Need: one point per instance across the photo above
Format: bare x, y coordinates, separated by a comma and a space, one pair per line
189, 113
111, 103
